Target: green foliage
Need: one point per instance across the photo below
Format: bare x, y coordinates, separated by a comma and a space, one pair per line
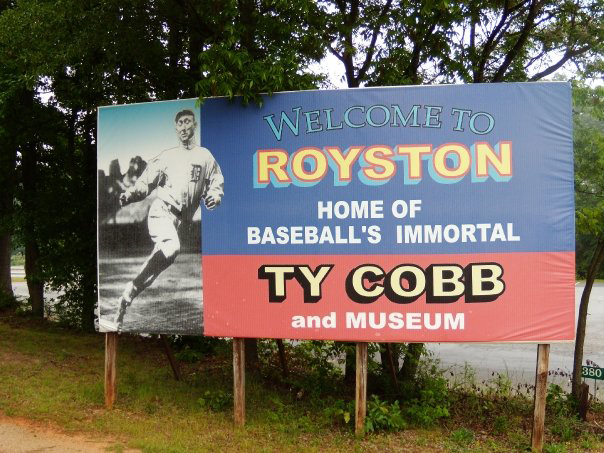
558, 401
313, 366
7, 301
589, 158
129, 51
264, 47
17, 259
564, 428
501, 424
383, 416
340, 412
55, 376
561, 407
432, 402
462, 436
189, 355
215, 400
193, 349
554, 448
393, 43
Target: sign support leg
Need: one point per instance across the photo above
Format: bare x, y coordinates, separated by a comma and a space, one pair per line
540, 394
110, 368
361, 389
239, 381
170, 355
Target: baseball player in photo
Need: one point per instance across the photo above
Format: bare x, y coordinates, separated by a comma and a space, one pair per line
182, 176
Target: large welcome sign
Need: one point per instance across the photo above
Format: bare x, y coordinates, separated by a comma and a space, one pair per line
438, 213
395, 214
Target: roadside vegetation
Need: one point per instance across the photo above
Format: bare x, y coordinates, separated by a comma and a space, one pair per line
54, 376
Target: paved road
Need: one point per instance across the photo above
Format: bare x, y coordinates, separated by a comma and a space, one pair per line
517, 361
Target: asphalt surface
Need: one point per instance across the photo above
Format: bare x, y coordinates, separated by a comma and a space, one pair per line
518, 361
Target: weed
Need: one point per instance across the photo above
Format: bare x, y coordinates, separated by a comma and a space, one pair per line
501, 424
559, 402
518, 440
192, 349
340, 412
554, 448
431, 404
565, 428
588, 441
216, 400
55, 375
500, 386
383, 416
462, 436
189, 355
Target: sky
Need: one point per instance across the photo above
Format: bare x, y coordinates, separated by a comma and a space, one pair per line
122, 133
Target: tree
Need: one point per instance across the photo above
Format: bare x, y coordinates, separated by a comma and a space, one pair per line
265, 46
128, 51
589, 191
8, 162
387, 42
474, 41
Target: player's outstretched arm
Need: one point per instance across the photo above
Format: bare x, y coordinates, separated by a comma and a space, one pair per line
143, 185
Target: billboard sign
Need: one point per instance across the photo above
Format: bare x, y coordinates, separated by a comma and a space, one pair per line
439, 213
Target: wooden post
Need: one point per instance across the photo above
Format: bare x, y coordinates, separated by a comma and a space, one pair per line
171, 358
361, 390
110, 368
540, 395
239, 381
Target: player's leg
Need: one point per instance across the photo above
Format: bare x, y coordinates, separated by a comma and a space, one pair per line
162, 226
159, 260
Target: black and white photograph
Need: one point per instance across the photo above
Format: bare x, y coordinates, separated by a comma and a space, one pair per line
154, 183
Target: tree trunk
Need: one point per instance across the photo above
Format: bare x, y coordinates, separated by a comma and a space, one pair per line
350, 363
389, 359
412, 357
594, 266
251, 353
6, 288
29, 170
8, 162
32, 251
34, 283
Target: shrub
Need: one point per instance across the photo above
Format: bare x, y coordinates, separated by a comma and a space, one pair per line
383, 416
216, 400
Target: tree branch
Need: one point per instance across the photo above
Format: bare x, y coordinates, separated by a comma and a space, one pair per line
513, 53
375, 33
587, 192
567, 56
486, 50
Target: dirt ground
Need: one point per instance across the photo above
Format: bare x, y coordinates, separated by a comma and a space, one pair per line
19, 435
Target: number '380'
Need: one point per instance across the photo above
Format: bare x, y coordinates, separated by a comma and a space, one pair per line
588, 371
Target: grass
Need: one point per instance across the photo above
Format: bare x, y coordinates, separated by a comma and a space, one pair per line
55, 376
17, 259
